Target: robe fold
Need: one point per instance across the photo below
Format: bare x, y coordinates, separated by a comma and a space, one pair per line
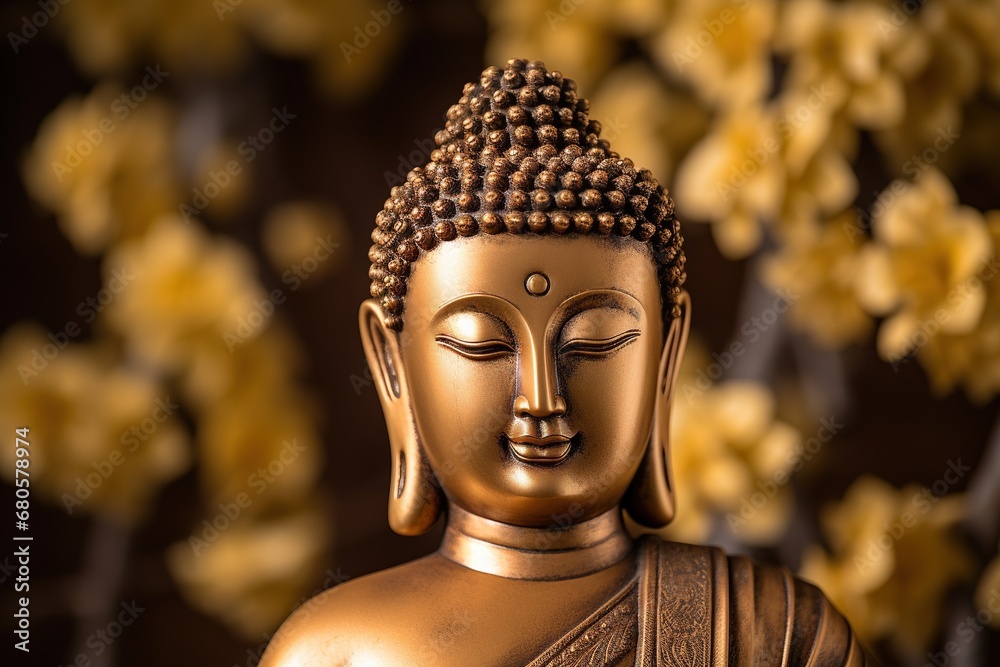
692, 606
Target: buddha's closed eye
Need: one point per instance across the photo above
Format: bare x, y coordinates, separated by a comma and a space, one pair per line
494, 349
598, 346
590, 332
482, 349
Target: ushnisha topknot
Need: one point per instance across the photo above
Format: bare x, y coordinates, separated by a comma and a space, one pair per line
519, 154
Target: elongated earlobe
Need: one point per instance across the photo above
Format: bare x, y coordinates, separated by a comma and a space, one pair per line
650, 498
415, 499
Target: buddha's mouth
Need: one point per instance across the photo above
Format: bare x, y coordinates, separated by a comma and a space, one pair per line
550, 450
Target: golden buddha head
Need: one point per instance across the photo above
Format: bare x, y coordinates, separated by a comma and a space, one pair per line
527, 319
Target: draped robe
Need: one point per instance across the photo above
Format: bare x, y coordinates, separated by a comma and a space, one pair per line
692, 606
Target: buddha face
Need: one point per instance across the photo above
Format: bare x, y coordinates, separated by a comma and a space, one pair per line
531, 367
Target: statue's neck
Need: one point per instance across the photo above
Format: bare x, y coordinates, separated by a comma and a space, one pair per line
552, 553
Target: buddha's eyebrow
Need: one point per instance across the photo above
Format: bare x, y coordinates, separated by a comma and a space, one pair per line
598, 299
473, 303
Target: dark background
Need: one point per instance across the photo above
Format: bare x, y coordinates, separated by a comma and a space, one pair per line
339, 151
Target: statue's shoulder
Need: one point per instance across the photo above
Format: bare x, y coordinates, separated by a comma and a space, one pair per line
350, 624
764, 609
747, 584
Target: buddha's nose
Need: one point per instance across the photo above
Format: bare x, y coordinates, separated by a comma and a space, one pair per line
538, 397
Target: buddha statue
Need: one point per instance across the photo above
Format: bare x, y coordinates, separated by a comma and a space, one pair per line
525, 333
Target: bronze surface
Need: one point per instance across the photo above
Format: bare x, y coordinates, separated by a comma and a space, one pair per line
527, 388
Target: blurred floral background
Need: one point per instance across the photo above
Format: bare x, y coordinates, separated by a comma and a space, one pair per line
189, 189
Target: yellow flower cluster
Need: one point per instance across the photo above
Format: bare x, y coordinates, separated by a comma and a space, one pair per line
773, 163
183, 332
731, 460
578, 36
766, 118
290, 237
191, 291
893, 557
98, 164
932, 267
721, 48
824, 270
349, 42
255, 574
105, 438
950, 60
856, 50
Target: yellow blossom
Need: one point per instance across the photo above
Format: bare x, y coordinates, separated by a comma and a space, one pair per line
305, 240
106, 36
188, 287
971, 358
213, 372
350, 43
721, 47
980, 20
922, 270
784, 166
646, 121
821, 272
261, 442
734, 178
730, 461
220, 182
103, 167
103, 438
581, 39
824, 188
936, 91
893, 559
255, 571
817, 146
854, 53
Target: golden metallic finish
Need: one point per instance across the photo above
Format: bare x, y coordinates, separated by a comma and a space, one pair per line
537, 284
486, 546
531, 424
520, 154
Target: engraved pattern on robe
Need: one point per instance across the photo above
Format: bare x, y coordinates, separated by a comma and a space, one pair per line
692, 606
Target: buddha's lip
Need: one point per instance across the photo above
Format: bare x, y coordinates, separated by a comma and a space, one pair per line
554, 439
550, 450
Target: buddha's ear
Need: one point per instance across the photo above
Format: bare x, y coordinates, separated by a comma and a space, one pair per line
415, 501
673, 349
650, 497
